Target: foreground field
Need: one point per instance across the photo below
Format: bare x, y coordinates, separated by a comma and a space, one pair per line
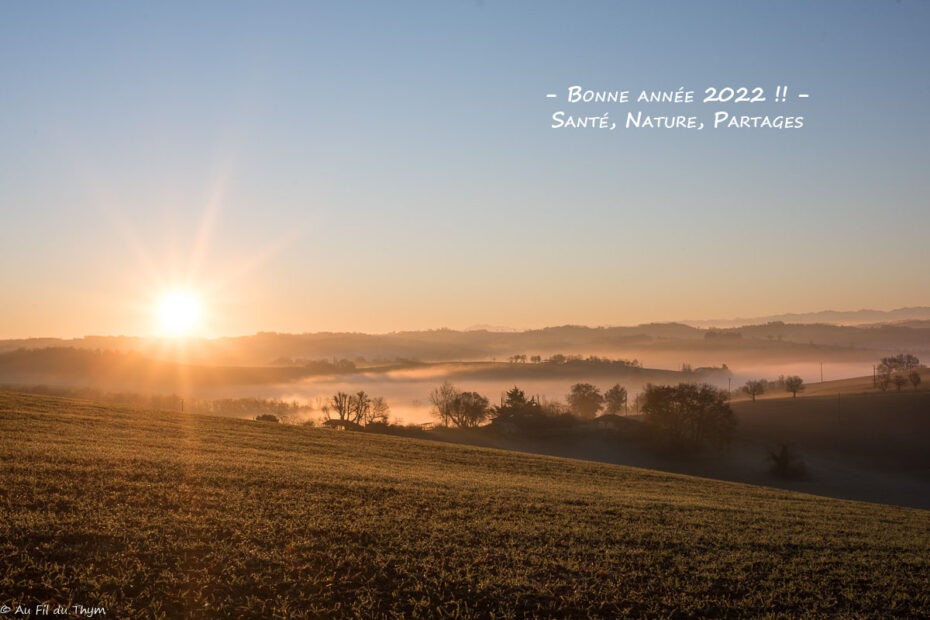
167, 515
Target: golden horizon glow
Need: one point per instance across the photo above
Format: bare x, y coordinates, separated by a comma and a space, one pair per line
178, 313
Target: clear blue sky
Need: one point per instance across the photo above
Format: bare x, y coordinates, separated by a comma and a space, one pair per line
375, 166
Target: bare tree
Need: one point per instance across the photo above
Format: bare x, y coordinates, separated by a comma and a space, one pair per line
347, 408
914, 378
442, 399
361, 407
883, 380
339, 404
794, 384
754, 387
461, 409
379, 412
900, 362
899, 381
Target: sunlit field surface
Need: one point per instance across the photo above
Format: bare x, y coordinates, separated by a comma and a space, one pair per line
155, 514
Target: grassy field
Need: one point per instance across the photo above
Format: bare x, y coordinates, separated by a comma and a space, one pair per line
847, 386
884, 429
152, 514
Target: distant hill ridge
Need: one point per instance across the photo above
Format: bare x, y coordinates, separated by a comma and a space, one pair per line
881, 331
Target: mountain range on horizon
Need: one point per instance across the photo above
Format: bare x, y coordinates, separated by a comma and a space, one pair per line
862, 317
836, 317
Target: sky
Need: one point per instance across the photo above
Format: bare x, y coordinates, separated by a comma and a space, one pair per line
386, 166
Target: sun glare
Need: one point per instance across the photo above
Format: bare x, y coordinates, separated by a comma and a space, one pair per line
178, 314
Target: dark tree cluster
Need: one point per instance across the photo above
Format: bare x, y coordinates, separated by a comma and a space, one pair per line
453, 407
586, 400
898, 370
688, 416
518, 414
902, 362
560, 359
322, 366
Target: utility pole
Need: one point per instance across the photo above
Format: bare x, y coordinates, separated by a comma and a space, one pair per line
821, 372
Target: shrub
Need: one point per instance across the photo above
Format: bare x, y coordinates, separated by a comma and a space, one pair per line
787, 463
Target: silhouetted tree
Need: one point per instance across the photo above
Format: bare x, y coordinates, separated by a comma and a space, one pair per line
754, 387
352, 409
469, 409
786, 463
585, 400
883, 380
515, 398
340, 404
442, 399
516, 402
520, 415
897, 363
378, 412
899, 381
914, 378
361, 407
615, 398
688, 415
536, 359
794, 384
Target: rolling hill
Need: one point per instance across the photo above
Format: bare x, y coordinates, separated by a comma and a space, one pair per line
166, 515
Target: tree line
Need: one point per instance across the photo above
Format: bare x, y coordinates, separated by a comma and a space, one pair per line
686, 416
898, 370
463, 409
559, 359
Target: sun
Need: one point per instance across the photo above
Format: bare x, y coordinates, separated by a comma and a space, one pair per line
178, 313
